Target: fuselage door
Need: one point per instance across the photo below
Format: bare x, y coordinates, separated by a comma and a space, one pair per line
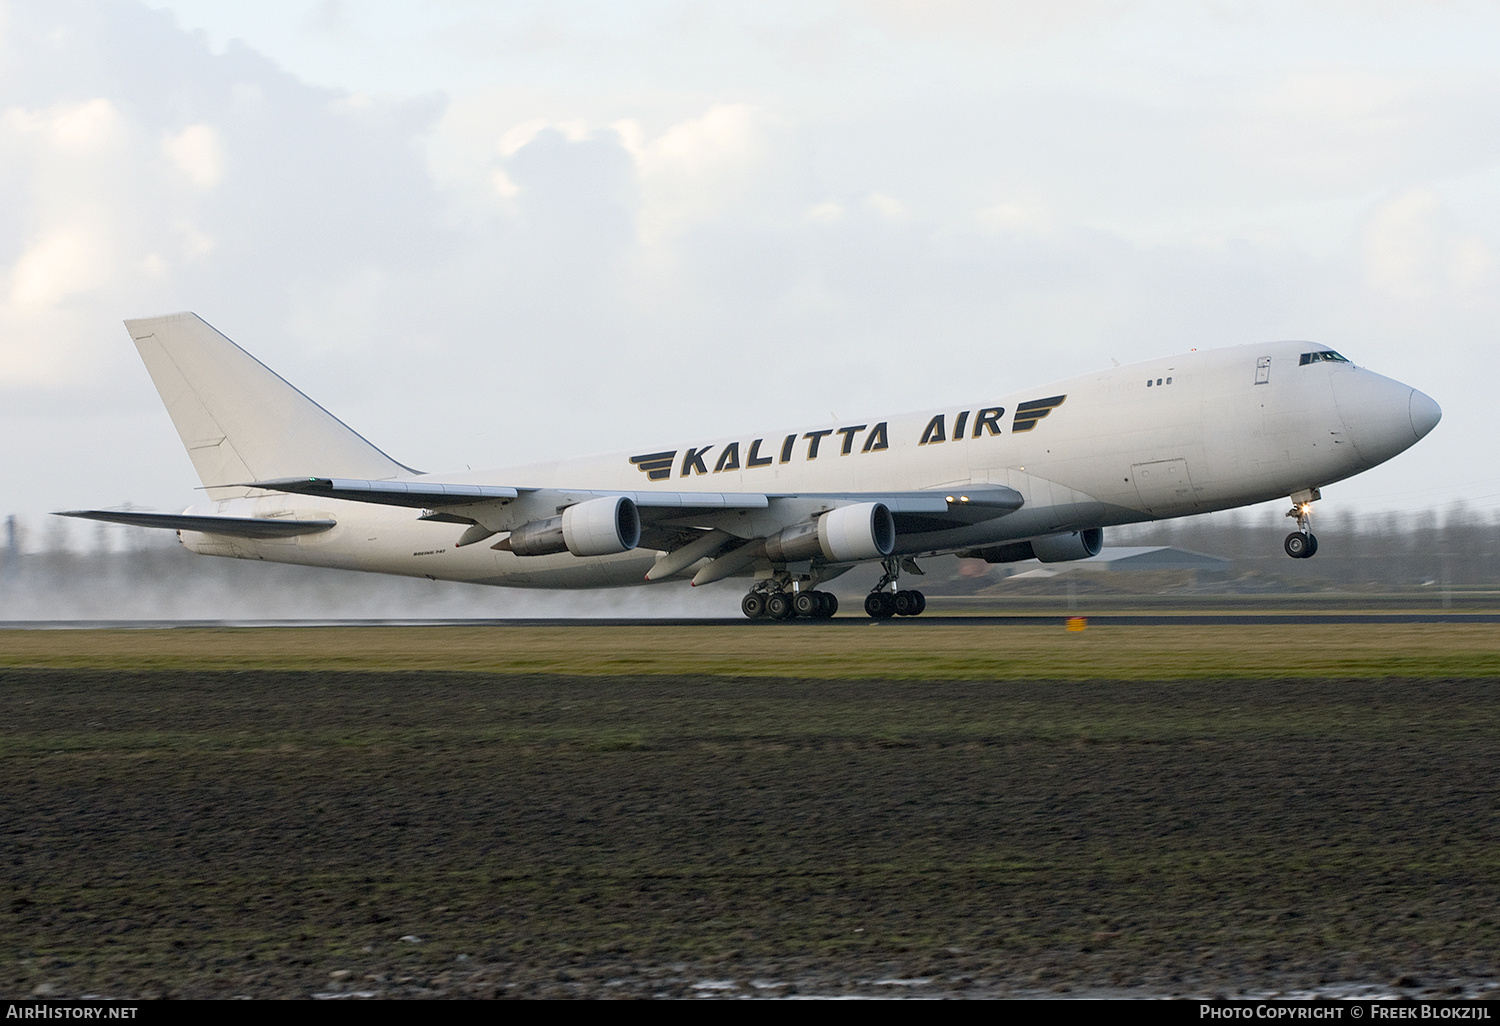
1164, 486
1263, 370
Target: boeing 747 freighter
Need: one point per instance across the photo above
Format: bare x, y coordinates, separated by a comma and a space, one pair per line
1013, 475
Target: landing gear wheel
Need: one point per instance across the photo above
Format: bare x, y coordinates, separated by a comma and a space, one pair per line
779, 607
910, 603
753, 605
830, 604
809, 604
1299, 545
881, 605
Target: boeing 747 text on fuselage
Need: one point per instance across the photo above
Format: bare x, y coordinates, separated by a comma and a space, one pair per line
1032, 474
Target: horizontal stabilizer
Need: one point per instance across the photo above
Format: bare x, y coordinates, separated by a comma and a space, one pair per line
235, 527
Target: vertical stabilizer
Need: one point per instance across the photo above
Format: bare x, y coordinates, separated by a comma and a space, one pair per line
239, 420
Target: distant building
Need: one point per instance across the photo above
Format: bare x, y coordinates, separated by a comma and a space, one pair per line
1133, 559
1152, 558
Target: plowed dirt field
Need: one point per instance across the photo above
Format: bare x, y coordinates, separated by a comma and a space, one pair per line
198, 832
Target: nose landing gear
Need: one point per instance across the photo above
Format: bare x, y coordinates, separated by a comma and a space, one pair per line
1302, 543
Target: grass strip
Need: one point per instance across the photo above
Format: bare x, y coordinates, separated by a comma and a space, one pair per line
886, 651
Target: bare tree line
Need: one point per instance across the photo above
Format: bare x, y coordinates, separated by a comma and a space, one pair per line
1457, 545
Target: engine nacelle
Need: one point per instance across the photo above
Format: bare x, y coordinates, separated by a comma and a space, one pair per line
598, 527
602, 527
1059, 548
1054, 548
848, 534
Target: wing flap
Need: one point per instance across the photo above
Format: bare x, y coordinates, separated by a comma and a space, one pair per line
415, 494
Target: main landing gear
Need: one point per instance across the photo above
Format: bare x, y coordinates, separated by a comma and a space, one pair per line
772, 599
783, 596
1302, 543
882, 605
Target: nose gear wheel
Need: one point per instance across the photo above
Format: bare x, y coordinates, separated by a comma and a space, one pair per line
1301, 543
1301, 546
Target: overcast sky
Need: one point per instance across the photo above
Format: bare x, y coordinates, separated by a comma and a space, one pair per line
484, 233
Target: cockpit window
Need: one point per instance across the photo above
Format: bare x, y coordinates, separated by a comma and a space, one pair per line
1327, 354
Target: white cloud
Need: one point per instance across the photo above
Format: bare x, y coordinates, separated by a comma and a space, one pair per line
698, 169
197, 152
1014, 217
504, 187
192, 242
65, 262
518, 136
78, 128
1412, 253
885, 206
39, 320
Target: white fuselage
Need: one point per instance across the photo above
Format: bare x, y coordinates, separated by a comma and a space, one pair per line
1222, 428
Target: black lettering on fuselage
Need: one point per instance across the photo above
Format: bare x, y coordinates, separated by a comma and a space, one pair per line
692, 461
813, 438
754, 458
729, 459
989, 418
658, 465
849, 433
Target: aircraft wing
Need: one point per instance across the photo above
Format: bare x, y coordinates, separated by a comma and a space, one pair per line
464, 503
731, 530
726, 527
237, 527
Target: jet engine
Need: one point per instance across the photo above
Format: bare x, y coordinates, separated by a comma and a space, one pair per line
598, 527
1054, 548
1059, 548
865, 530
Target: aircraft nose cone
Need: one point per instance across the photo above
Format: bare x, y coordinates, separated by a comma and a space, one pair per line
1424, 413
1381, 417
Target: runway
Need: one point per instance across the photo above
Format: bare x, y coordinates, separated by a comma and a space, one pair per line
895, 623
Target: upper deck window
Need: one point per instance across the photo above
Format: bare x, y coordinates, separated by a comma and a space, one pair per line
1326, 354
